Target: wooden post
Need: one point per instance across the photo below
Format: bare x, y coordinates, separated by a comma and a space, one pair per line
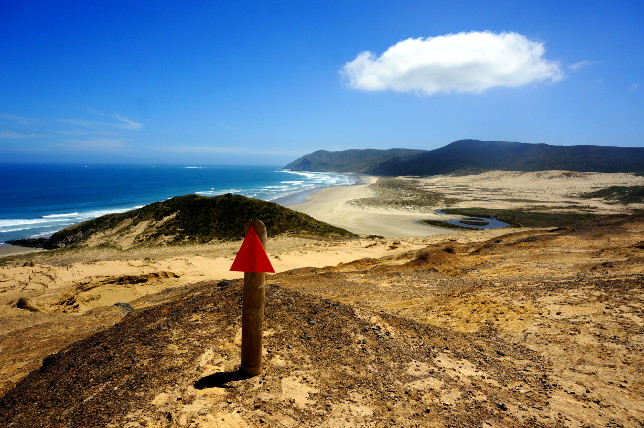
253, 312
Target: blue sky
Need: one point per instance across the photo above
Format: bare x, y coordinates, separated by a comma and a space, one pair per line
264, 82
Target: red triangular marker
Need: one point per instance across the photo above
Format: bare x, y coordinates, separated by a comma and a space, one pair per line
252, 256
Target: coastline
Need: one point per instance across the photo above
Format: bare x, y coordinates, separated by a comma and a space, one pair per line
330, 204
303, 195
76, 193
396, 214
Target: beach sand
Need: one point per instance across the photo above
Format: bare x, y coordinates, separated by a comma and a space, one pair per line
394, 210
332, 206
12, 250
546, 190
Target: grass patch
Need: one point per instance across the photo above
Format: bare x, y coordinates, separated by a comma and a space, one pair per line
620, 194
517, 200
473, 222
399, 193
518, 218
445, 225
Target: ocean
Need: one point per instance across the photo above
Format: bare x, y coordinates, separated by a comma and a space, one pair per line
38, 200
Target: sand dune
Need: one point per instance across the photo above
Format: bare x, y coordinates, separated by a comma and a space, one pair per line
423, 326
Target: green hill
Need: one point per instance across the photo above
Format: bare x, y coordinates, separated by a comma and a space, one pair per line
190, 219
474, 156
354, 160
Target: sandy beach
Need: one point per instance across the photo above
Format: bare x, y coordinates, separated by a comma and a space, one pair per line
12, 250
332, 206
479, 290
393, 211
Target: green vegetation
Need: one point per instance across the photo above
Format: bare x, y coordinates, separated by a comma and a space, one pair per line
619, 194
474, 222
524, 218
444, 224
356, 161
396, 193
198, 219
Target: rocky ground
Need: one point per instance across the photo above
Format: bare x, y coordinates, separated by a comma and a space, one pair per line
539, 327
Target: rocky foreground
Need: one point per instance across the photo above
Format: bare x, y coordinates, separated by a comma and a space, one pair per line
538, 327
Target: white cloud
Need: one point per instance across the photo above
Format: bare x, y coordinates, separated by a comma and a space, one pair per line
111, 133
579, 65
10, 135
634, 86
224, 150
126, 123
94, 145
20, 120
120, 122
464, 62
76, 132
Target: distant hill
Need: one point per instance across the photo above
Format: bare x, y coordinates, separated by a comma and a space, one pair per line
474, 156
190, 219
354, 160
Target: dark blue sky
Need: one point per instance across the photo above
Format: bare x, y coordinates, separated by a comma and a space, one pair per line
266, 82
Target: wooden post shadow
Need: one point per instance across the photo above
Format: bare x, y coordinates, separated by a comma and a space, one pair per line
220, 379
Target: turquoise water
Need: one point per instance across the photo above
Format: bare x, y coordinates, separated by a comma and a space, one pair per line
37, 200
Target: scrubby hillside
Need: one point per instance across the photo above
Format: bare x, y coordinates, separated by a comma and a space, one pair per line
474, 156
353, 160
190, 219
